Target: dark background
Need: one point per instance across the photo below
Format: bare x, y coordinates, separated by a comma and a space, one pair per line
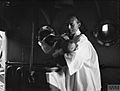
20, 17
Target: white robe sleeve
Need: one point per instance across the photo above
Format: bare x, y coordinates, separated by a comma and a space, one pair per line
76, 59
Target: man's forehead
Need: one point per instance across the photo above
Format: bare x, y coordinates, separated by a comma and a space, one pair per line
73, 19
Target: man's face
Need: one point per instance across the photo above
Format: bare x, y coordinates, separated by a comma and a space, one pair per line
74, 26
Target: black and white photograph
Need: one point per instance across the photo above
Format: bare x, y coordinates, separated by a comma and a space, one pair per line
59, 45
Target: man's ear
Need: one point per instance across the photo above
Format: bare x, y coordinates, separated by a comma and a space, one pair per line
39, 43
79, 24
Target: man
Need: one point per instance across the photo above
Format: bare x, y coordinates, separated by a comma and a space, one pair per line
83, 68
81, 72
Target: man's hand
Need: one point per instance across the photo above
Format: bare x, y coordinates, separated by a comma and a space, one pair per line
65, 36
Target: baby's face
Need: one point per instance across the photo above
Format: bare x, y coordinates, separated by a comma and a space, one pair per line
71, 47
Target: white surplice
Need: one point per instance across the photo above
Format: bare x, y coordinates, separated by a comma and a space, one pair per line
82, 73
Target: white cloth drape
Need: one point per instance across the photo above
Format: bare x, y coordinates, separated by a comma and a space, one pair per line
3, 48
3, 57
83, 72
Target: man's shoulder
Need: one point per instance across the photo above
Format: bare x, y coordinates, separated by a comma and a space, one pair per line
83, 39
